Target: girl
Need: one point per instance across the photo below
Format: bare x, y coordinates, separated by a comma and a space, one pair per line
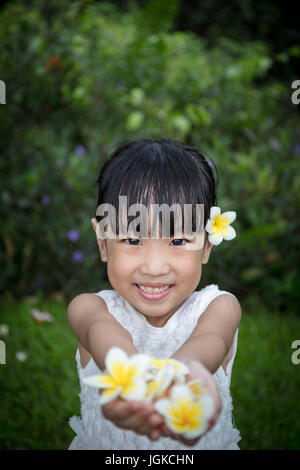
199, 328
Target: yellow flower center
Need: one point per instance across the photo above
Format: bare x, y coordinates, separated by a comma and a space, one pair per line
123, 375
185, 415
218, 223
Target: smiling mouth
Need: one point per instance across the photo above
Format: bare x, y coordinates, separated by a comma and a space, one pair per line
154, 293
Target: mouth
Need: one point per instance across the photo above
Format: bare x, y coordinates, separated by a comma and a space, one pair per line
154, 293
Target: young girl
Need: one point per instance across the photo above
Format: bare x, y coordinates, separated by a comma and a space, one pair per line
198, 328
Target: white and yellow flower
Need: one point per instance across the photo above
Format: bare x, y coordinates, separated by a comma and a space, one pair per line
218, 225
183, 414
197, 388
126, 376
159, 382
180, 370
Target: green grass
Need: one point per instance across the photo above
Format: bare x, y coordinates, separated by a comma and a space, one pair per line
265, 383
39, 395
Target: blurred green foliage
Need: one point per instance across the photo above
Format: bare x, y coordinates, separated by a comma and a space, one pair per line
80, 79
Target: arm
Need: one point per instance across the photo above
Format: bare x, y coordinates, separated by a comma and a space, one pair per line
211, 340
96, 329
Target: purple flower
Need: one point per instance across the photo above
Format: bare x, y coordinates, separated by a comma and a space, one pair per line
275, 145
297, 149
45, 200
78, 256
80, 150
73, 235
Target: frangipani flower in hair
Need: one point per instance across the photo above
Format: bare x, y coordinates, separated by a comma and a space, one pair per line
125, 378
218, 225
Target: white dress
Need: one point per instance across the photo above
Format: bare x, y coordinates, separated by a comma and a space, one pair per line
94, 431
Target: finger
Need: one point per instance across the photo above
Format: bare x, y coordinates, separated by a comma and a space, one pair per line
117, 409
151, 425
144, 421
133, 415
185, 441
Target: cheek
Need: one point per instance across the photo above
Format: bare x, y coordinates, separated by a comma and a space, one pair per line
120, 265
191, 261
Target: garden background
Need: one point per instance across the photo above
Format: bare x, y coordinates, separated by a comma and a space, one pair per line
83, 76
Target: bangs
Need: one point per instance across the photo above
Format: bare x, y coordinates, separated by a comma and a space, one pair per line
163, 177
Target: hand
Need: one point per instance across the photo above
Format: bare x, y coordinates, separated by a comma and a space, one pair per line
198, 371
134, 415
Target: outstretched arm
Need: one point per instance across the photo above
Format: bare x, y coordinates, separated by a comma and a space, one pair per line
96, 329
208, 346
211, 340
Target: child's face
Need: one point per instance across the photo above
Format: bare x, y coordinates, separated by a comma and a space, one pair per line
152, 261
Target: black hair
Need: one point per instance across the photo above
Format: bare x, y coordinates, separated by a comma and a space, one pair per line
158, 171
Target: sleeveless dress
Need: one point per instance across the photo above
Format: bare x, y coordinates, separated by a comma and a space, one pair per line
95, 432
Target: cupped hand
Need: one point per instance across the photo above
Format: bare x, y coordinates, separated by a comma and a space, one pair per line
198, 371
134, 415
143, 419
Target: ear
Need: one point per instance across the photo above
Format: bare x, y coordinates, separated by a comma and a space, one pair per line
206, 251
101, 243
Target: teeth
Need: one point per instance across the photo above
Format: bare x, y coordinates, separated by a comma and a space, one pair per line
156, 290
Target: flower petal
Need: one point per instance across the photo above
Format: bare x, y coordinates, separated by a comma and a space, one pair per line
196, 387
164, 378
214, 210
162, 406
141, 361
135, 390
115, 356
215, 239
193, 433
99, 381
181, 392
108, 395
208, 405
179, 367
230, 216
228, 232
208, 227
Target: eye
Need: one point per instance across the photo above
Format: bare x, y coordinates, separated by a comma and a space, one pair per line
130, 239
180, 240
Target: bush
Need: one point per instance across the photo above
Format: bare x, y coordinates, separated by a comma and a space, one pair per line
81, 78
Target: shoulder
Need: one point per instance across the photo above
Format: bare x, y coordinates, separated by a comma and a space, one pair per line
211, 299
222, 316
228, 305
86, 307
83, 301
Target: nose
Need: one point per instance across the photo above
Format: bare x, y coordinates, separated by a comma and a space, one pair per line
155, 263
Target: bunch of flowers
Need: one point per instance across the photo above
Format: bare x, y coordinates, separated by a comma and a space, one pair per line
185, 406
